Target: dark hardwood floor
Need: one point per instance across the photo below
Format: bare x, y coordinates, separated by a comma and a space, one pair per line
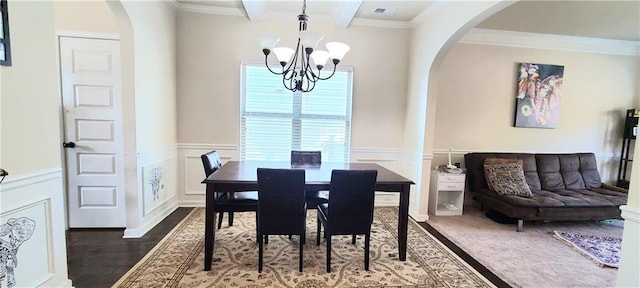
99, 257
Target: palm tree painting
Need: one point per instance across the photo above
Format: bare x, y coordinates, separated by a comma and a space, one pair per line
538, 95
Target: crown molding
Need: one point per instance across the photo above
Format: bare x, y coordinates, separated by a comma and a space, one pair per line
288, 16
551, 42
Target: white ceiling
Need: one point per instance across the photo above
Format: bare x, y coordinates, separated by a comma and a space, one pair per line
599, 19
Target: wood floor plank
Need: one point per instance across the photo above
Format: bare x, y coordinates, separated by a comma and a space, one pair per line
99, 257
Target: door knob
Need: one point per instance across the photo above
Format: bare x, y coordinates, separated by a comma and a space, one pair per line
69, 145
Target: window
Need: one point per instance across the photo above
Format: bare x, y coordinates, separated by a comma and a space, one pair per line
276, 120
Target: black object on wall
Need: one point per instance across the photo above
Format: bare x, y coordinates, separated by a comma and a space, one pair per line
5, 45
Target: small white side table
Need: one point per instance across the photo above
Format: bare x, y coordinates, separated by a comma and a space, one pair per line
446, 193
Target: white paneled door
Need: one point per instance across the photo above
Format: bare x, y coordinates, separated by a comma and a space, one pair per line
91, 93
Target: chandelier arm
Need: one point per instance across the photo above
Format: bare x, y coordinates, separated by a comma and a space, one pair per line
289, 74
266, 63
311, 84
332, 73
284, 83
310, 76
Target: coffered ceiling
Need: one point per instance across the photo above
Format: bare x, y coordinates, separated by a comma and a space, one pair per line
599, 19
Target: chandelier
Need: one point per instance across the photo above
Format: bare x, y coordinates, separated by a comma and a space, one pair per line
297, 71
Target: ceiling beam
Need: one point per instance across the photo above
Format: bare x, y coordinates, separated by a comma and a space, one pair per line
255, 10
344, 14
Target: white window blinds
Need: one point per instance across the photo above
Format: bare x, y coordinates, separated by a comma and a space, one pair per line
276, 120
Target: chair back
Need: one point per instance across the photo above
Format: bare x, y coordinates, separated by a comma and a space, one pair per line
312, 158
211, 162
281, 201
351, 201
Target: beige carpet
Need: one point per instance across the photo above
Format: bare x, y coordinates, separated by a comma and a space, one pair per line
177, 261
532, 258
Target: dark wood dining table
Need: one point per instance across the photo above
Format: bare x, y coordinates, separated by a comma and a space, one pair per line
235, 176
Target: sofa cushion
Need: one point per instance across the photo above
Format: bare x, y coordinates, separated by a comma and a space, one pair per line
507, 178
568, 171
495, 161
589, 170
474, 163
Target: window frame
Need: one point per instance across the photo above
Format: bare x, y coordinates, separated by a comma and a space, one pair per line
296, 116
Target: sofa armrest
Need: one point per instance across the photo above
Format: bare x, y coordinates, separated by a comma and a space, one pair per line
614, 188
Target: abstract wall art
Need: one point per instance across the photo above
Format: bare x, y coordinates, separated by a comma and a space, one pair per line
538, 95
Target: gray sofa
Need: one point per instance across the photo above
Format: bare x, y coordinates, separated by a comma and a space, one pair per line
565, 187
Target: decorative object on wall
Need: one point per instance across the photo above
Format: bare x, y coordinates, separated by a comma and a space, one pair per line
538, 95
12, 235
300, 76
3, 173
5, 47
155, 179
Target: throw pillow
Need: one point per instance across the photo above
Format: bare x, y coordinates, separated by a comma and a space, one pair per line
507, 179
493, 161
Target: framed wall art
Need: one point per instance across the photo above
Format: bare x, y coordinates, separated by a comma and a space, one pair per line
538, 95
5, 45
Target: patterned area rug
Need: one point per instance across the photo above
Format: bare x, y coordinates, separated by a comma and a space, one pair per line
177, 261
603, 250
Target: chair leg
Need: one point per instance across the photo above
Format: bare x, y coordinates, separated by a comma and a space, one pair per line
328, 253
220, 216
353, 239
366, 251
301, 252
318, 224
260, 252
230, 218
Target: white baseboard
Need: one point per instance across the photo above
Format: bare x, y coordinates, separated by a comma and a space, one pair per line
152, 222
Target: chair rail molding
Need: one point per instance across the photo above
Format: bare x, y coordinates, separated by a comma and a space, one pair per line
30, 179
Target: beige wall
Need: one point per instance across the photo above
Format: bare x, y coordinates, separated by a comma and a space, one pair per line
31, 144
30, 92
154, 25
211, 48
476, 102
87, 16
428, 41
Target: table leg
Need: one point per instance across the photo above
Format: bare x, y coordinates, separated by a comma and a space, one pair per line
403, 222
209, 227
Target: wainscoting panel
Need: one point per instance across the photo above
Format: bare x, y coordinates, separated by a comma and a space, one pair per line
32, 221
157, 188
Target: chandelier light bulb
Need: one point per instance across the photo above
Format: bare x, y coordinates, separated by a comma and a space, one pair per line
337, 50
310, 39
268, 42
320, 58
284, 54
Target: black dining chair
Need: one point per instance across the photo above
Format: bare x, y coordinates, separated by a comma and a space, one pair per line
350, 209
226, 201
281, 206
309, 159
